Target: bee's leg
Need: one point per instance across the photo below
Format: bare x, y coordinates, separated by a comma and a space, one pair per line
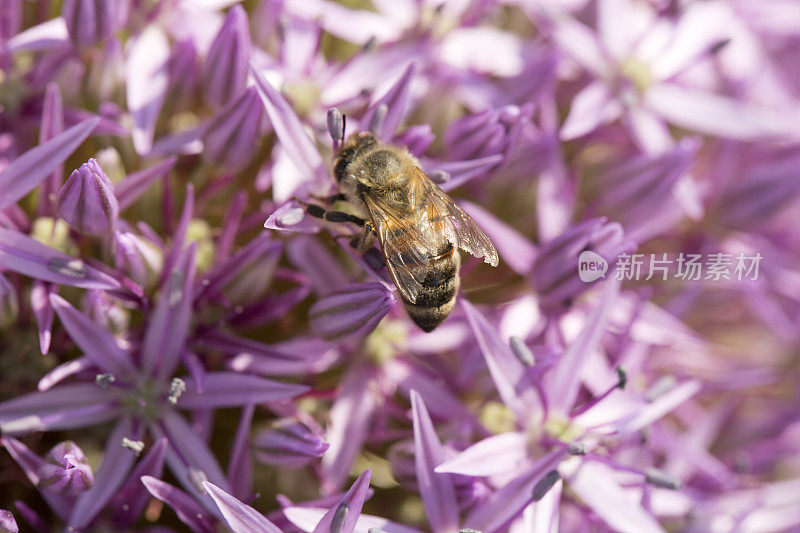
334, 216
364, 241
338, 197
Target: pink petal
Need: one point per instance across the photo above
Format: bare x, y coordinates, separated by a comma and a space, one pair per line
580, 43
29, 257
231, 389
435, 487
664, 404
352, 25
240, 518
64, 371
722, 116
43, 311
29, 169
509, 501
50, 34
148, 79
354, 499
347, 427
396, 102
592, 107
507, 372
288, 128
96, 342
117, 463
595, 485
483, 49
129, 189
564, 382
498, 454
188, 510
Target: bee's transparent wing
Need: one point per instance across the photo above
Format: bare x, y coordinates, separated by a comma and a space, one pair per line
456, 224
406, 242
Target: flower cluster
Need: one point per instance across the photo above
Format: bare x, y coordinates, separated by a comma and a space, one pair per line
199, 329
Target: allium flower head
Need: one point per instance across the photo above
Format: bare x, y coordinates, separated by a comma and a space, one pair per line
217, 327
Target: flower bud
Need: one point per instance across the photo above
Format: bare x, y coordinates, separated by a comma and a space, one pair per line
544, 485
87, 201
66, 470
90, 21
555, 271
9, 306
494, 131
231, 137
289, 443
226, 67
7, 522
183, 68
351, 312
336, 125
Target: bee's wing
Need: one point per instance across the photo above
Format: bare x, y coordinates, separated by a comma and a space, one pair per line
406, 242
457, 225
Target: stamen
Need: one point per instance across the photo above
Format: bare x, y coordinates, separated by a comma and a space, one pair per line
176, 388
196, 478
661, 479
335, 126
136, 446
69, 267
522, 351
577, 448
337, 523
622, 380
718, 46
439, 176
544, 485
622, 376
104, 380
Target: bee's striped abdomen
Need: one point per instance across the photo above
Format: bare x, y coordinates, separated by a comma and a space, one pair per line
440, 280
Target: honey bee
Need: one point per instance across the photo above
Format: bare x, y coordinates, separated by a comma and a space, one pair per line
418, 226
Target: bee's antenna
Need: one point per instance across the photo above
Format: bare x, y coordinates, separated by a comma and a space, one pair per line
344, 126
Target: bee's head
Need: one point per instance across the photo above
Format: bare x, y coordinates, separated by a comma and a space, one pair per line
357, 143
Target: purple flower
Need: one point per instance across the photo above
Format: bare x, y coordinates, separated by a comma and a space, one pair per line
557, 396
87, 201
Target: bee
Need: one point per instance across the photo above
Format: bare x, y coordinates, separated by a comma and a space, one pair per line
418, 226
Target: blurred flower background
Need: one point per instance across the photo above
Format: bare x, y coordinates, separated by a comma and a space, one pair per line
181, 345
